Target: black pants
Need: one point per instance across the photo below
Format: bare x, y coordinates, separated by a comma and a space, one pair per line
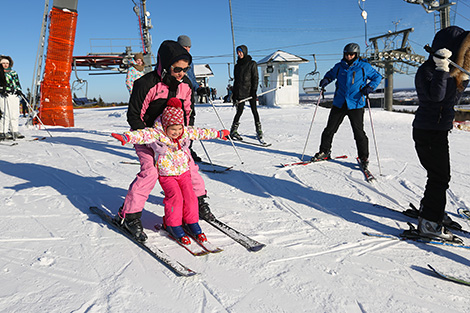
240, 108
432, 147
356, 118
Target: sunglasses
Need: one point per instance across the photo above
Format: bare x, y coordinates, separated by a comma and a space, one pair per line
179, 69
350, 53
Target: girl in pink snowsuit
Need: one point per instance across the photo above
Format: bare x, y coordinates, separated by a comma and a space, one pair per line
170, 141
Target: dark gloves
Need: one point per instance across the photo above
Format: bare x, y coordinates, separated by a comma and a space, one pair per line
324, 82
367, 90
122, 138
3, 91
223, 134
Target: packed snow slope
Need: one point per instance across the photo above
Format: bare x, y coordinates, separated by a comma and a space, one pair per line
56, 256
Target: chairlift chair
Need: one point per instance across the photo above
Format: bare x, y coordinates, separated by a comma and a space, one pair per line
311, 83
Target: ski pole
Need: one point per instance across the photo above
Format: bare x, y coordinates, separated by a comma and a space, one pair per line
373, 134
263, 93
432, 52
223, 126
34, 113
311, 124
207, 154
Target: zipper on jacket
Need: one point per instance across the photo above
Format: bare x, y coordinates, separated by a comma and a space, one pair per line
354, 75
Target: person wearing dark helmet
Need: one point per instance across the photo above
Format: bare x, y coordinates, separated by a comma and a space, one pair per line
439, 87
355, 79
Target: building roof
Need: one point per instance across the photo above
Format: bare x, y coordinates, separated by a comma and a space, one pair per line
202, 70
282, 57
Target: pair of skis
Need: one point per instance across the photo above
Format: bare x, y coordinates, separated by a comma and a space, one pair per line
175, 266
195, 247
260, 143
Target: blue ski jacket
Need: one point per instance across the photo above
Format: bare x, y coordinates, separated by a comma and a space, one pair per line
350, 79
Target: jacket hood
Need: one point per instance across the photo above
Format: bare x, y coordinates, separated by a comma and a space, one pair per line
457, 40
244, 49
8, 58
169, 52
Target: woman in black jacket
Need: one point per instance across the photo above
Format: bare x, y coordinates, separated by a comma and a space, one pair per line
439, 87
245, 84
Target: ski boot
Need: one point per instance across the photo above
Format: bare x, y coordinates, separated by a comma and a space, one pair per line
204, 210
178, 233
131, 222
259, 132
196, 231
449, 223
2, 136
320, 156
234, 132
365, 164
427, 228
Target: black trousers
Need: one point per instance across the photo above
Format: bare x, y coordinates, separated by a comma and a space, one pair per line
241, 107
356, 118
432, 147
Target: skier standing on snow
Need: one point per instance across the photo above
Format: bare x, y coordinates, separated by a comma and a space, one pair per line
136, 71
9, 101
148, 100
245, 74
439, 88
355, 79
170, 141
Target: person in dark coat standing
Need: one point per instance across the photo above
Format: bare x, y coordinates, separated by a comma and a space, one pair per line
439, 87
245, 85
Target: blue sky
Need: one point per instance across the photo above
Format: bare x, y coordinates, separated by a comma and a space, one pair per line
295, 26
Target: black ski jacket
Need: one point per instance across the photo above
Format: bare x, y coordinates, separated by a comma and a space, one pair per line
245, 78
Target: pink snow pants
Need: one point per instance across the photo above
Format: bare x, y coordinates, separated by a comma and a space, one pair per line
145, 181
180, 201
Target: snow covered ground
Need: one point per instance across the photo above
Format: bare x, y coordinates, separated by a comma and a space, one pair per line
56, 256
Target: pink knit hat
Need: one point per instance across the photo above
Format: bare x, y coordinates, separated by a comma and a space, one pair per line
172, 114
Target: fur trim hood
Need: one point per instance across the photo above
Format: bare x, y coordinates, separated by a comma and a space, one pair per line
8, 58
457, 40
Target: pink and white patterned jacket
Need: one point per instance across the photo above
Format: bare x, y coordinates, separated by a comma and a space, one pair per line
172, 155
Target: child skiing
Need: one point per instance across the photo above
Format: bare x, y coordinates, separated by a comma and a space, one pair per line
170, 140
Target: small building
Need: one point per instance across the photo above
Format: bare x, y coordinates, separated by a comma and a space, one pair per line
202, 73
280, 70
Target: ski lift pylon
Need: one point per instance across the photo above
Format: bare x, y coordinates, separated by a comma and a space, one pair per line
311, 83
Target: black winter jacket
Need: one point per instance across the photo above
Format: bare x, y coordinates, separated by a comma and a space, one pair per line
245, 78
437, 90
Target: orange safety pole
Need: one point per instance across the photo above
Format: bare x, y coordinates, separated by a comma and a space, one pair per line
56, 107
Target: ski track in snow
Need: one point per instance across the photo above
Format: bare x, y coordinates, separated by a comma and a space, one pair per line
58, 257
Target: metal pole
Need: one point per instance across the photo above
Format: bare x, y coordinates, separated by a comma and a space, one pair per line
223, 126
39, 56
260, 94
311, 124
373, 134
388, 90
233, 36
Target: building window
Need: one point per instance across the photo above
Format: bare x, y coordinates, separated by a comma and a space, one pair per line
289, 82
266, 81
290, 71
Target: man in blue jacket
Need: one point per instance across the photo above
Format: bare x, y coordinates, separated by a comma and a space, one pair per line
355, 79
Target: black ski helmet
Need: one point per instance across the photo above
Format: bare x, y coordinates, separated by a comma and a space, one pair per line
352, 48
